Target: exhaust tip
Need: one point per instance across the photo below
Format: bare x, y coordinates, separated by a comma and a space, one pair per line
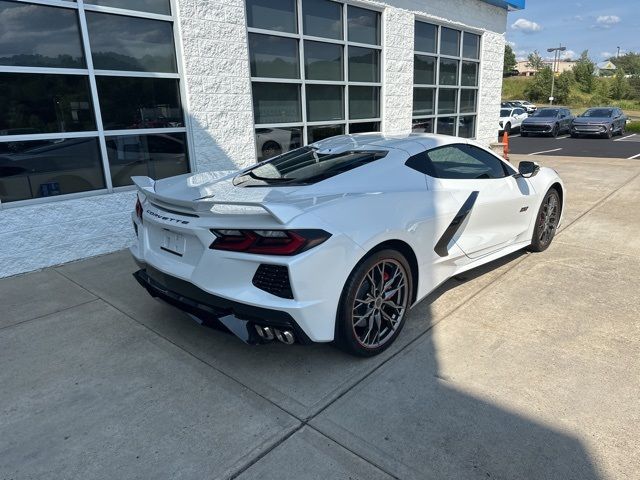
285, 336
266, 333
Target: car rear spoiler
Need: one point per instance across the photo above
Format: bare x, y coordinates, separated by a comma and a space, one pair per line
281, 212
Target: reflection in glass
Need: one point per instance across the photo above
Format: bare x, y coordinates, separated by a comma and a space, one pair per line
363, 25
424, 70
364, 64
152, 6
450, 42
44, 103
39, 36
468, 100
129, 43
467, 127
447, 125
448, 71
470, 74
274, 141
320, 132
422, 125
128, 102
423, 101
471, 45
426, 36
276, 102
273, 56
364, 127
322, 18
278, 15
364, 102
157, 156
324, 102
323, 61
447, 100
44, 168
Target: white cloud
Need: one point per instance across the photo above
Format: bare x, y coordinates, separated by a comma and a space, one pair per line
526, 26
606, 54
608, 20
511, 44
568, 55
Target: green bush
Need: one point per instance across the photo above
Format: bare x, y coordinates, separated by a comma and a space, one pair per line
633, 127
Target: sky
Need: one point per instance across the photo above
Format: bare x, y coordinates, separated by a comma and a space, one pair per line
599, 26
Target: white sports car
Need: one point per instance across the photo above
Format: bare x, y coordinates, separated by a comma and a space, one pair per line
335, 241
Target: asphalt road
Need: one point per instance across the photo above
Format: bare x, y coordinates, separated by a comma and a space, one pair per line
627, 146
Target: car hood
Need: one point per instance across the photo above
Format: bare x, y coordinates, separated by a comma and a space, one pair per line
592, 120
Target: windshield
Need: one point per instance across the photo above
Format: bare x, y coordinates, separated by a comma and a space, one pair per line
598, 112
304, 166
546, 113
505, 112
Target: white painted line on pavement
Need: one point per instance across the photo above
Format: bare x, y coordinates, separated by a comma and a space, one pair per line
562, 138
546, 151
634, 157
622, 139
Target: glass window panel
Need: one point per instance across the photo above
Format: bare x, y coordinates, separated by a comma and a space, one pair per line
162, 7
364, 127
127, 102
364, 102
316, 133
276, 102
157, 156
449, 42
323, 61
44, 168
274, 141
423, 101
322, 18
447, 100
471, 45
448, 71
468, 100
447, 125
426, 37
467, 127
278, 15
39, 103
364, 64
324, 102
363, 25
422, 125
273, 56
424, 69
469, 74
129, 43
39, 36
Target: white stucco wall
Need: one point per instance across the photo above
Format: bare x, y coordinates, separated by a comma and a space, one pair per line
219, 113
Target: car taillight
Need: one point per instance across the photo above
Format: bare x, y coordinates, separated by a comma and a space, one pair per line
268, 242
139, 209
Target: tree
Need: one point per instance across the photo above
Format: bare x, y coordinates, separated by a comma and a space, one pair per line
540, 87
601, 94
534, 60
562, 88
509, 60
629, 62
634, 90
619, 85
583, 71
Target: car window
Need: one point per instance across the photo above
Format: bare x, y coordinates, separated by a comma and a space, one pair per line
464, 162
505, 112
518, 111
546, 113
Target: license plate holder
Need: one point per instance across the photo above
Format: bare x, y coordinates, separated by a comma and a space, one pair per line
173, 242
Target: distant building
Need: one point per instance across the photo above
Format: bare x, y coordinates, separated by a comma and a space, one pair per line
524, 70
605, 68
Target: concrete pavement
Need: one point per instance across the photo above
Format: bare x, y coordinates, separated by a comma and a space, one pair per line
527, 368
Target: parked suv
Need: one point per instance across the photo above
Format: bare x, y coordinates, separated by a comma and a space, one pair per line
602, 121
547, 121
511, 118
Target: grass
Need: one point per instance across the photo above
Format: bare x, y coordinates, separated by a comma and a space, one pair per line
633, 127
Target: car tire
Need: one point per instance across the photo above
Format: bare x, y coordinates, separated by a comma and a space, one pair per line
366, 323
623, 130
575, 135
546, 221
555, 131
523, 134
609, 133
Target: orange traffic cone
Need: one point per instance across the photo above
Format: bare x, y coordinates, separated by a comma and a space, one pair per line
505, 141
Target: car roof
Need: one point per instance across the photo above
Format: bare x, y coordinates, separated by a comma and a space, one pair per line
407, 141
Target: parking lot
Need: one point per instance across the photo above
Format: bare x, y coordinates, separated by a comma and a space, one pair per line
526, 368
626, 146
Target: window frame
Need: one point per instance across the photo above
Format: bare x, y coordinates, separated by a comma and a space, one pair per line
439, 24
345, 43
91, 73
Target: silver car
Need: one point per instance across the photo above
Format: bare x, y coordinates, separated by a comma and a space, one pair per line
601, 121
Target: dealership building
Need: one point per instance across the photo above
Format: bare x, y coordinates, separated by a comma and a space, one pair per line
93, 92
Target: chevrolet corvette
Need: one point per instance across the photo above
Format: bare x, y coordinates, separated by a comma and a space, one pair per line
337, 240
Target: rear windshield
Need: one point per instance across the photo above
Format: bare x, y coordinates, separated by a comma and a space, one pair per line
598, 112
547, 112
304, 166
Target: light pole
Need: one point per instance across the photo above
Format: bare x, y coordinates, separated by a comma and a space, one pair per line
556, 58
618, 54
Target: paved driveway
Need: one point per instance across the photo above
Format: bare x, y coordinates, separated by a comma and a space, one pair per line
626, 147
526, 369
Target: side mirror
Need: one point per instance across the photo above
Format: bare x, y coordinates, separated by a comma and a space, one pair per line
527, 169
